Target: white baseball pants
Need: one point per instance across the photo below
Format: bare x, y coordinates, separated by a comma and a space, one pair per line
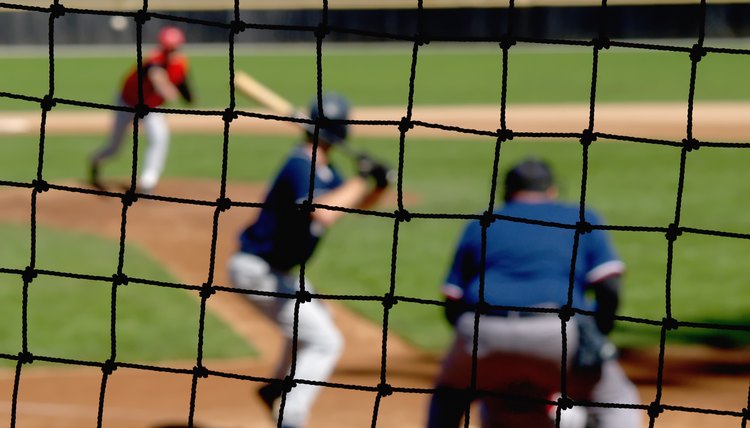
155, 156
319, 342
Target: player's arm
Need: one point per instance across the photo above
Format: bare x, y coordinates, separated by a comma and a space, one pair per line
604, 277
185, 92
607, 292
354, 193
463, 268
162, 85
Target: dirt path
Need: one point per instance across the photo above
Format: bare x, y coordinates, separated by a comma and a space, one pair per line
718, 121
55, 397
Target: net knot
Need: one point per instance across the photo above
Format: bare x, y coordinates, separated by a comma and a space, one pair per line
303, 296
507, 42
40, 186
483, 308
697, 52
238, 26
47, 103
673, 231
566, 313
504, 135
25, 357
200, 371
321, 30
405, 125
229, 115
57, 10
141, 110
487, 219
402, 215
421, 39
141, 17
207, 291
28, 274
587, 137
654, 409
389, 300
119, 279
602, 42
288, 383
670, 323
565, 403
584, 227
306, 206
691, 144
385, 389
129, 198
108, 367
223, 204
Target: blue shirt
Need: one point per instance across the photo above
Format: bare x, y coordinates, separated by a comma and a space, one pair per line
529, 265
284, 235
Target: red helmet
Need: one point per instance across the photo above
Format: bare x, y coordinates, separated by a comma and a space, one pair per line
171, 38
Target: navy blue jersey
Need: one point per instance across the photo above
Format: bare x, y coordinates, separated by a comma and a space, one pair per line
529, 265
284, 235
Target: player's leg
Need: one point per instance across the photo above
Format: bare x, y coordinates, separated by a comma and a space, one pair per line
449, 401
319, 342
122, 121
518, 356
614, 387
249, 272
155, 156
319, 345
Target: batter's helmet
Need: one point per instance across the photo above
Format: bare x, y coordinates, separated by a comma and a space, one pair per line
171, 38
530, 174
335, 108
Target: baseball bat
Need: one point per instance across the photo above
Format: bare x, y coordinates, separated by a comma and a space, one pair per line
263, 95
268, 98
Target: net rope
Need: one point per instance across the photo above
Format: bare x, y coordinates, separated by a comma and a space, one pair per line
502, 135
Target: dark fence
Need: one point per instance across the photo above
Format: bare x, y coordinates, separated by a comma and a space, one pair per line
655, 21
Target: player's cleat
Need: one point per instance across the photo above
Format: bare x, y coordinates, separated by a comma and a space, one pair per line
94, 176
269, 394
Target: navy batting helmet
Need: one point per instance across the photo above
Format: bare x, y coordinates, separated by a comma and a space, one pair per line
530, 174
335, 108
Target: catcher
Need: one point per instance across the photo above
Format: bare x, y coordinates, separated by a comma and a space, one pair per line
527, 266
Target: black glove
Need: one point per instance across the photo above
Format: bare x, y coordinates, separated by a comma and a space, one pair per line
370, 168
607, 299
593, 346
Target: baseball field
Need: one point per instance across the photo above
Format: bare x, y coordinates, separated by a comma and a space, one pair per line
632, 185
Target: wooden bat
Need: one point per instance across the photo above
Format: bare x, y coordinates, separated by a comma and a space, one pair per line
263, 95
278, 105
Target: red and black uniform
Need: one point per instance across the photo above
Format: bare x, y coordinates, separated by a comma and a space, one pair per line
176, 66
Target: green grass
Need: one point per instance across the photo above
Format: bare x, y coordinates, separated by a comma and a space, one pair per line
70, 318
629, 184
381, 76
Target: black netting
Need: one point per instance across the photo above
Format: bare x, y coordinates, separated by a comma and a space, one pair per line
321, 30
